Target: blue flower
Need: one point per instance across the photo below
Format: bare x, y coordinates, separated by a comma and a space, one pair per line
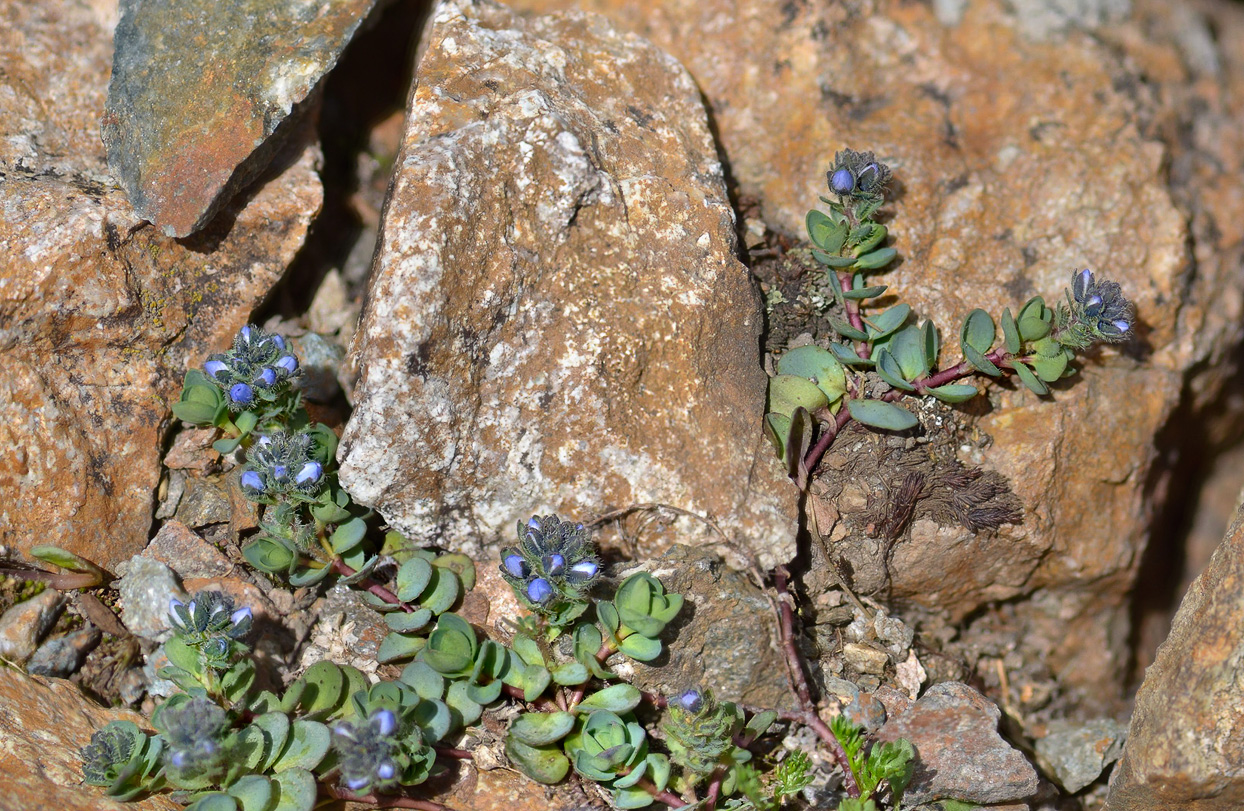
842, 182
288, 362
215, 367
584, 569
515, 566
539, 590
310, 473
245, 333
553, 564
384, 721
278, 341
252, 481
241, 394
690, 700
243, 614
267, 377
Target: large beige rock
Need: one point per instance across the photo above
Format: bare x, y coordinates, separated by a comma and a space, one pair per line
100, 314
1185, 747
43, 725
557, 320
1019, 158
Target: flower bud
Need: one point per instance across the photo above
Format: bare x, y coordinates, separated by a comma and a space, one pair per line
267, 377
310, 473
214, 367
386, 770
553, 564
280, 472
385, 722
278, 341
288, 362
243, 614
356, 783
515, 566
539, 590
842, 182
252, 481
585, 569
690, 700
245, 332
241, 394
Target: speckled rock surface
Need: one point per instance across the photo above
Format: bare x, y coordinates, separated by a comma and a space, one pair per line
1021, 156
198, 90
725, 637
100, 315
1185, 746
43, 724
959, 753
23, 626
182, 550
557, 320
63, 655
1077, 753
145, 591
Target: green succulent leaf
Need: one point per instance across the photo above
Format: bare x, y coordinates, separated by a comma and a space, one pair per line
412, 578
459, 700
396, 646
542, 728
789, 392
225, 447
347, 536
182, 655
644, 606
1010, 333
863, 293
846, 330
460, 565
325, 688
890, 372
1034, 319
847, 355
980, 362
1029, 379
978, 331
875, 237
545, 765
443, 591
297, 789
818, 366
254, 792
953, 392
214, 801
268, 555
572, 674
616, 698
833, 261
638, 646
451, 647
1050, 369
932, 344
406, 623
425, 681
876, 259
825, 233
880, 414
907, 347
888, 321
308, 576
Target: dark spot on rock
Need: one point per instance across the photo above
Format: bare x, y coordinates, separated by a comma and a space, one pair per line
790, 10
641, 118
932, 91
1030, 255
417, 361
955, 183
492, 84
1018, 287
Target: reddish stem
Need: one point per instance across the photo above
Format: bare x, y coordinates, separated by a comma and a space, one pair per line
854, 318
342, 568
606, 650
794, 661
667, 797
457, 754
542, 704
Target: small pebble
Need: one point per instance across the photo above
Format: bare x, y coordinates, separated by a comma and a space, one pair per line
146, 590
62, 656
23, 625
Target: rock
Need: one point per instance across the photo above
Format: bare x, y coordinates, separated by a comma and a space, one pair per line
724, 638
347, 631
62, 656
23, 625
43, 725
199, 90
1184, 746
100, 315
557, 320
959, 754
145, 591
865, 658
1077, 753
179, 548
1019, 162
192, 450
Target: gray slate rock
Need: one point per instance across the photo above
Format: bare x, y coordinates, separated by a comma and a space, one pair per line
199, 87
959, 753
24, 624
1079, 752
146, 590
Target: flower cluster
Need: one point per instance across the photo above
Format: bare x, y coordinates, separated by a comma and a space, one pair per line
858, 175
193, 732
1095, 311
701, 730
258, 367
552, 567
281, 464
366, 750
210, 624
